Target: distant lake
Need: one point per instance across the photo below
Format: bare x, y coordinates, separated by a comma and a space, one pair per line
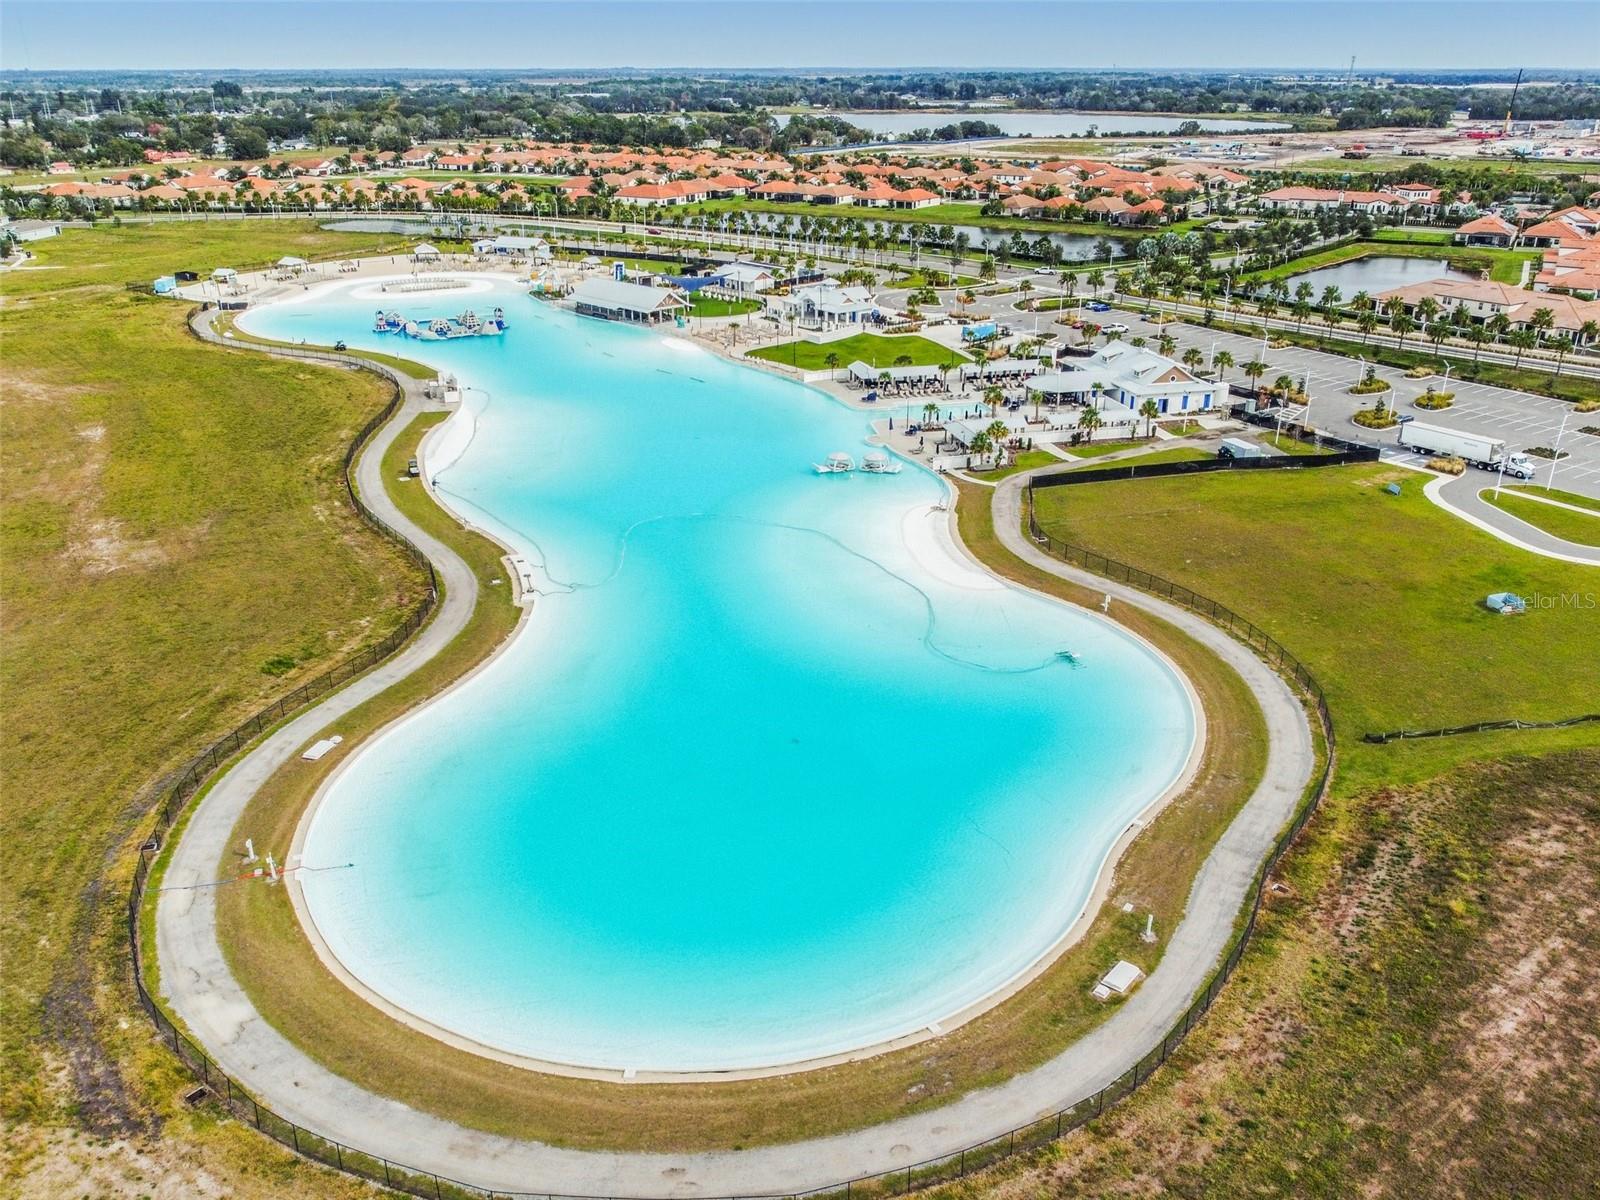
1377, 273
1049, 123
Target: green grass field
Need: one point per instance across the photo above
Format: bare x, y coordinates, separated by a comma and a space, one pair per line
1098, 449
871, 348
1025, 461
112, 255
178, 550
711, 306
1582, 528
1381, 596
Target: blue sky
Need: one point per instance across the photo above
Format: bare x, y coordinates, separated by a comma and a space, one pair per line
86, 34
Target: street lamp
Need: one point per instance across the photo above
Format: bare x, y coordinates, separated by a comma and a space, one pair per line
1556, 461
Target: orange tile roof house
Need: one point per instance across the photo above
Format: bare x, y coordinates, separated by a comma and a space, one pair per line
677, 191
1487, 230
1483, 298
914, 198
1569, 227
118, 195
1307, 199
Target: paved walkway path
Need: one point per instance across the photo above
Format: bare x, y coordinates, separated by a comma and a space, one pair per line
1461, 495
201, 990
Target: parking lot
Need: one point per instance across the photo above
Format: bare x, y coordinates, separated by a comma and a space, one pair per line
1521, 419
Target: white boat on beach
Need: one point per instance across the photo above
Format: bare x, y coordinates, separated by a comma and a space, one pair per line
876, 462
838, 463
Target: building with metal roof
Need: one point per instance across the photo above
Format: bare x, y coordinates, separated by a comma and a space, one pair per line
616, 300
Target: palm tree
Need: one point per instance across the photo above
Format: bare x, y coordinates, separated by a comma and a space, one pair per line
930, 412
1366, 322
1402, 325
1149, 410
1090, 419
994, 397
1477, 335
1522, 340
980, 443
1192, 358
1167, 344
1254, 370
831, 361
1562, 345
1542, 321
1222, 360
998, 435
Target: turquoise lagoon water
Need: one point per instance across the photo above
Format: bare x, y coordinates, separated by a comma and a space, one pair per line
770, 774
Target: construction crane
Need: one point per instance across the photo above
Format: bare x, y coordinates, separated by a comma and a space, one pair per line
1505, 130
1350, 74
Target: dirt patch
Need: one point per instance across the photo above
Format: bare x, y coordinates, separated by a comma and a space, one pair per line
61, 1163
100, 548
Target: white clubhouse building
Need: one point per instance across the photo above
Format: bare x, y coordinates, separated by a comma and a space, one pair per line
1126, 376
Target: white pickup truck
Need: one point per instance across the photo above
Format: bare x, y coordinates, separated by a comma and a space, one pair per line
1479, 450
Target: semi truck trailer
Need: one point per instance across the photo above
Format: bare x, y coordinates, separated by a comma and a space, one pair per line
1478, 450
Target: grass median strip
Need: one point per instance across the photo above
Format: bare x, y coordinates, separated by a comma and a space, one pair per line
1580, 528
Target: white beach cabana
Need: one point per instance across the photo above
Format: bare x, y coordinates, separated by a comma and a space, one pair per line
1000, 366
963, 429
426, 252
870, 376
290, 263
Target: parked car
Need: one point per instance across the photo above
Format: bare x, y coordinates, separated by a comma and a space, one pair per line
1097, 306
1044, 271
1114, 327
413, 468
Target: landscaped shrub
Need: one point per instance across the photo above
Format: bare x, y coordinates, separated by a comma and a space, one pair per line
1369, 384
1448, 465
1431, 399
1587, 406
1379, 416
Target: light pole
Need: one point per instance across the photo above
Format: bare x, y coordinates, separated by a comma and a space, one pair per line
1556, 461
